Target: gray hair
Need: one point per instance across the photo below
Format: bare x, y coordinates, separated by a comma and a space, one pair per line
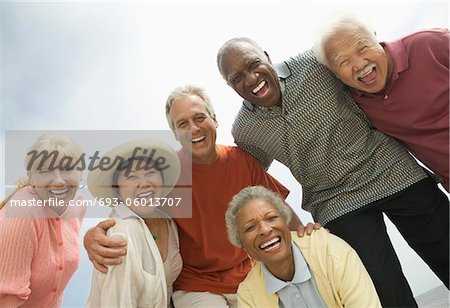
242, 198
341, 22
236, 41
186, 91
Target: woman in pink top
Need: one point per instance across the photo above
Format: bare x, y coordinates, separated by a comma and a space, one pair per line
39, 250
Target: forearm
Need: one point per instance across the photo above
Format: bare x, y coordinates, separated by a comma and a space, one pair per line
295, 222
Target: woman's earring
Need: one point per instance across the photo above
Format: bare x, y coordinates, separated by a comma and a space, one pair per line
81, 185
31, 189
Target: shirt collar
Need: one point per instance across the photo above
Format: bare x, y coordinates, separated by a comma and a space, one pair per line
123, 211
283, 72
301, 274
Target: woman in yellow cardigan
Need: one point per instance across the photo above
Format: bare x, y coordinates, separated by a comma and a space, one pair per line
320, 270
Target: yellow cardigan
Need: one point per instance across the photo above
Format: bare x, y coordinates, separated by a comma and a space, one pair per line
341, 278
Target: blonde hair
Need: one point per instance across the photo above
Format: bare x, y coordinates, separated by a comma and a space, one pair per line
64, 146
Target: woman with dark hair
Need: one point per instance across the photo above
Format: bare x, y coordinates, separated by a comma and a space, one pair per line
147, 170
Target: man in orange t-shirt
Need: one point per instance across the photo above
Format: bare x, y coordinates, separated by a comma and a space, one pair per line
212, 266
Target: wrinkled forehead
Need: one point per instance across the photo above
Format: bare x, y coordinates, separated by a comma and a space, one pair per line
351, 36
136, 164
244, 47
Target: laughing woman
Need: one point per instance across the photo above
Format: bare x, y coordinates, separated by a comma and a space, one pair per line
320, 270
39, 250
153, 261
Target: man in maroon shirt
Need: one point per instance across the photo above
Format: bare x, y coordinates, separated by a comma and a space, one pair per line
402, 85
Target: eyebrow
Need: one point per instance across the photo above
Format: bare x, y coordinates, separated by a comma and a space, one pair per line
245, 224
272, 212
202, 113
233, 75
337, 58
246, 65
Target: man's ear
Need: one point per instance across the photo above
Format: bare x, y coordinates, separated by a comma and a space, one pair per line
267, 55
175, 134
215, 121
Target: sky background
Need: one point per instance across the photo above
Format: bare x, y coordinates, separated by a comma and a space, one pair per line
102, 65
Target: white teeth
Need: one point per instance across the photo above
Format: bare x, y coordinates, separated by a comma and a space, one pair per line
259, 87
272, 241
198, 139
59, 192
146, 194
366, 70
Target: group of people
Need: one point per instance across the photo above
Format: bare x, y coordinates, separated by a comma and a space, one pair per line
347, 140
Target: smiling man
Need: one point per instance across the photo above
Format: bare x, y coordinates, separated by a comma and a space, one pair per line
212, 267
299, 114
292, 271
402, 85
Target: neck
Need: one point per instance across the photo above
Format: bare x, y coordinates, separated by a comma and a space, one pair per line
283, 270
208, 159
59, 210
154, 220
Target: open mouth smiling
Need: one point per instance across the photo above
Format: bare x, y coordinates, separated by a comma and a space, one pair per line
368, 74
198, 139
271, 244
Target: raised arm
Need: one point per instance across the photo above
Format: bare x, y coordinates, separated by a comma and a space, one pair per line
296, 224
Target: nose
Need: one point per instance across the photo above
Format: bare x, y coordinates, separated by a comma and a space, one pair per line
193, 127
251, 78
264, 228
143, 182
359, 63
58, 178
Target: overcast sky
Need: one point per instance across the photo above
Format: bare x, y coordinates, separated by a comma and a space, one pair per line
110, 65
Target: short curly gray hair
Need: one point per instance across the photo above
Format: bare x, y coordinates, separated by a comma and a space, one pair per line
242, 198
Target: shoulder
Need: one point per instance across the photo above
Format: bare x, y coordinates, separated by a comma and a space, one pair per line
126, 228
254, 276
22, 214
232, 152
304, 60
237, 155
428, 37
241, 120
322, 244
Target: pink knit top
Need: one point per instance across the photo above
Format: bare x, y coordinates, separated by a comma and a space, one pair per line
38, 255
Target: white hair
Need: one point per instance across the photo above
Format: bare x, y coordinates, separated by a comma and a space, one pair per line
186, 91
339, 22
